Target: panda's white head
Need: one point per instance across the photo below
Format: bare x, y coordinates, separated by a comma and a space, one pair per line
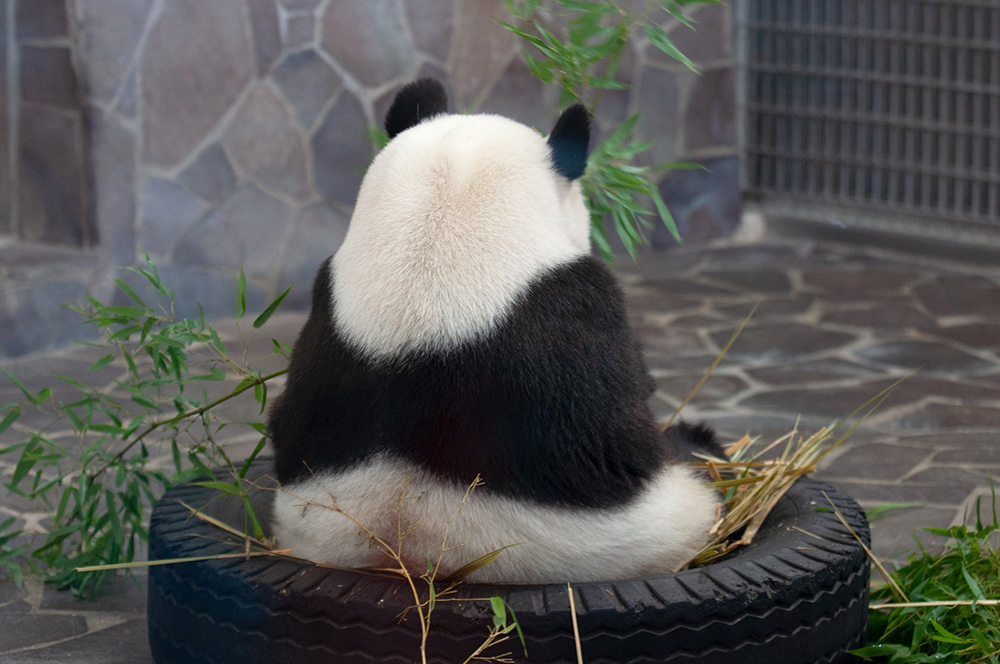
456, 217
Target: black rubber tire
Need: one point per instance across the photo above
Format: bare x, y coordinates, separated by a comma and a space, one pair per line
797, 595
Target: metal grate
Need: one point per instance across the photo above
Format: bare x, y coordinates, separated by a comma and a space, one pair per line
883, 105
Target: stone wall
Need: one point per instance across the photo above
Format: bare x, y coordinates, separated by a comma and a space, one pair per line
214, 134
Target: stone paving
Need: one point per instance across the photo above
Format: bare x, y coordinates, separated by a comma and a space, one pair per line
835, 325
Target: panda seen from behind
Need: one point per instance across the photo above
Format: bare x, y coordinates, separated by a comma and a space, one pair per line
464, 328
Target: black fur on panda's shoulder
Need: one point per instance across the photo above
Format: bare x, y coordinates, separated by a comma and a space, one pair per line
549, 407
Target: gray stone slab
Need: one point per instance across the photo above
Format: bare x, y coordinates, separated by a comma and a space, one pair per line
114, 169
41, 19
758, 281
705, 204
520, 95
5, 137
961, 295
342, 150
779, 341
47, 76
925, 356
817, 371
367, 38
266, 33
871, 494
126, 643
264, 141
710, 116
210, 176
51, 193
299, 30
719, 387
431, 24
308, 82
479, 51
317, 233
877, 461
109, 32
180, 64
659, 89
944, 417
20, 630
167, 210
249, 230
118, 594
892, 534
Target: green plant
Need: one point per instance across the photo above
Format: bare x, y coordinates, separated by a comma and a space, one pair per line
578, 45
942, 608
99, 487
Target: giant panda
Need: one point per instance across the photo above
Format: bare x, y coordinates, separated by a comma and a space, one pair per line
464, 328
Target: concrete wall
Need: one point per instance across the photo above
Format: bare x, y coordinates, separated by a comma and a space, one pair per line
215, 133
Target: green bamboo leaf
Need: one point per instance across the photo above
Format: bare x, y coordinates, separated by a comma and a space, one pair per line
499, 612
679, 166
128, 312
101, 363
541, 69
143, 401
215, 373
600, 238
125, 288
881, 650
253, 455
973, 584
258, 532
523, 35
945, 636
271, 308
24, 390
226, 487
281, 348
72, 381
176, 453
594, 7
241, 294
665, 216
23, 467
132, 368
74, 419
10, 418
606, 83
885, 508
43, 395
675, 9
659, 39
981, 640
147, 326
263, 395
107, 428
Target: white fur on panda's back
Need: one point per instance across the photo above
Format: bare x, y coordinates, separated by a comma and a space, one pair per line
454, 219
662, 529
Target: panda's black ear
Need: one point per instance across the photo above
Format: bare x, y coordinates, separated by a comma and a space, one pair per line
415, 103
570, 142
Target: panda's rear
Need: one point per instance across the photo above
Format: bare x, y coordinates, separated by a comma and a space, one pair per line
464, 330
